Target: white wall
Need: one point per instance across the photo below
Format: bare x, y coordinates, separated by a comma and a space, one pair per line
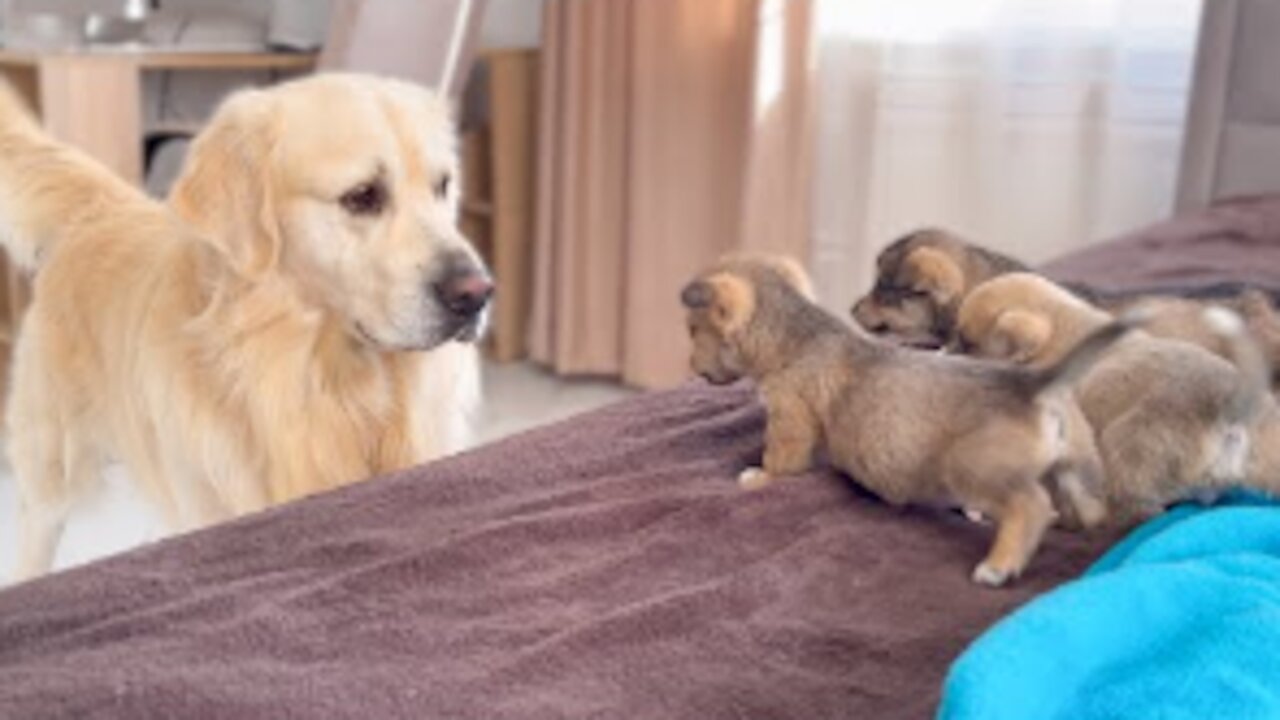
511, 24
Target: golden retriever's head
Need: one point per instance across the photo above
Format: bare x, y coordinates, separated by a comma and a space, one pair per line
346, 188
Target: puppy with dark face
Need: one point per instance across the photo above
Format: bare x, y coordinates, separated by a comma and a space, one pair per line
1172, 420
920, 281
912, 427
923, 278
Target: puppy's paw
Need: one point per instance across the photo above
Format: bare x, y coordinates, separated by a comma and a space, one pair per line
990, 575
753, 478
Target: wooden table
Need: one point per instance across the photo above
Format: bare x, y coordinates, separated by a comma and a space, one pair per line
92, 98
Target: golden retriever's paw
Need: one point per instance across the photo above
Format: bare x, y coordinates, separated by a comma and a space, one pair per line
991, 576
753, 478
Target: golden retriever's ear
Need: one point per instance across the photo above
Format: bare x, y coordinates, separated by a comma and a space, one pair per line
733, 302
1019, 335
225, 188
933, 271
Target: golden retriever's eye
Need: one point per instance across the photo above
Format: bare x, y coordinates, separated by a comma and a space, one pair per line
442, 187
365, 199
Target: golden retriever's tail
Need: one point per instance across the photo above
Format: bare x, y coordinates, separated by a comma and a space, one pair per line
1244, 353
48, 189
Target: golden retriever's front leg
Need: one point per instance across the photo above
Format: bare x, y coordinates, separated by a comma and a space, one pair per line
790, 437
53, 471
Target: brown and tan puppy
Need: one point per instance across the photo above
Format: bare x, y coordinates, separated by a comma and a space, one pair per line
295, 319
912, 427
1173, 421
923, 278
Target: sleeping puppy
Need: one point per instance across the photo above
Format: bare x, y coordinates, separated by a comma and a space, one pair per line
1172, 420
296, 319
923, 278
912, 427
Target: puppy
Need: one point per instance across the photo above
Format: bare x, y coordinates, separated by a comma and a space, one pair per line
1185, 319
923, 278
1172, 420
912, 427
295, 320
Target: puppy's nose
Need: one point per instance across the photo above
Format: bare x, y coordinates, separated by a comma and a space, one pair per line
464, 292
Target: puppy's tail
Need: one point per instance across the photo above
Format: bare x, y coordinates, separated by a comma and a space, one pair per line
47, 189
1244, 353
1082, 357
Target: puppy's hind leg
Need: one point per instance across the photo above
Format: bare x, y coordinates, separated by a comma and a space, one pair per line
1077, 481
1021, 523
991, 471
1076, 495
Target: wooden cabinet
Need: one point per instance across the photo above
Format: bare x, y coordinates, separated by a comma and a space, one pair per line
498, 198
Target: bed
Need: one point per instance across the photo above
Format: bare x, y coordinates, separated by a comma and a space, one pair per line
609, 567
604, 567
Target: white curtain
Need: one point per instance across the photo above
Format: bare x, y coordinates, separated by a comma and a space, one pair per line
1034, 126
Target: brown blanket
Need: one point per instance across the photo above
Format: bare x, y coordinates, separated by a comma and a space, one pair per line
605, 567
1236, 242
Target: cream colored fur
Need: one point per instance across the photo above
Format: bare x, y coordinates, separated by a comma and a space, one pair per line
251, 342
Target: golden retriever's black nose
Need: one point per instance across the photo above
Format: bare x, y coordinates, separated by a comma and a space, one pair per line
464, 292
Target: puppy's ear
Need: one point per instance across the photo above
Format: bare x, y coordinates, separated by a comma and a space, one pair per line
1020, 335
786, 267
934, 272
733, 302
225, 188
794, 273
696, 295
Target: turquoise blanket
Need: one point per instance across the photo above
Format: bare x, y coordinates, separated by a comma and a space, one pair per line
1180, 620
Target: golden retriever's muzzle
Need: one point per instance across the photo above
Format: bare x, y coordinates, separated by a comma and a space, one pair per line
463, 289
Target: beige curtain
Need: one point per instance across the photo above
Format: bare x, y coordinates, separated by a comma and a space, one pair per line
1035, 126
671, 131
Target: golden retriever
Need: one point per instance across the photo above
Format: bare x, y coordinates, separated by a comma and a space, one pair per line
295, 319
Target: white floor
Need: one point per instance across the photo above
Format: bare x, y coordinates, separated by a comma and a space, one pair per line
517, 397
